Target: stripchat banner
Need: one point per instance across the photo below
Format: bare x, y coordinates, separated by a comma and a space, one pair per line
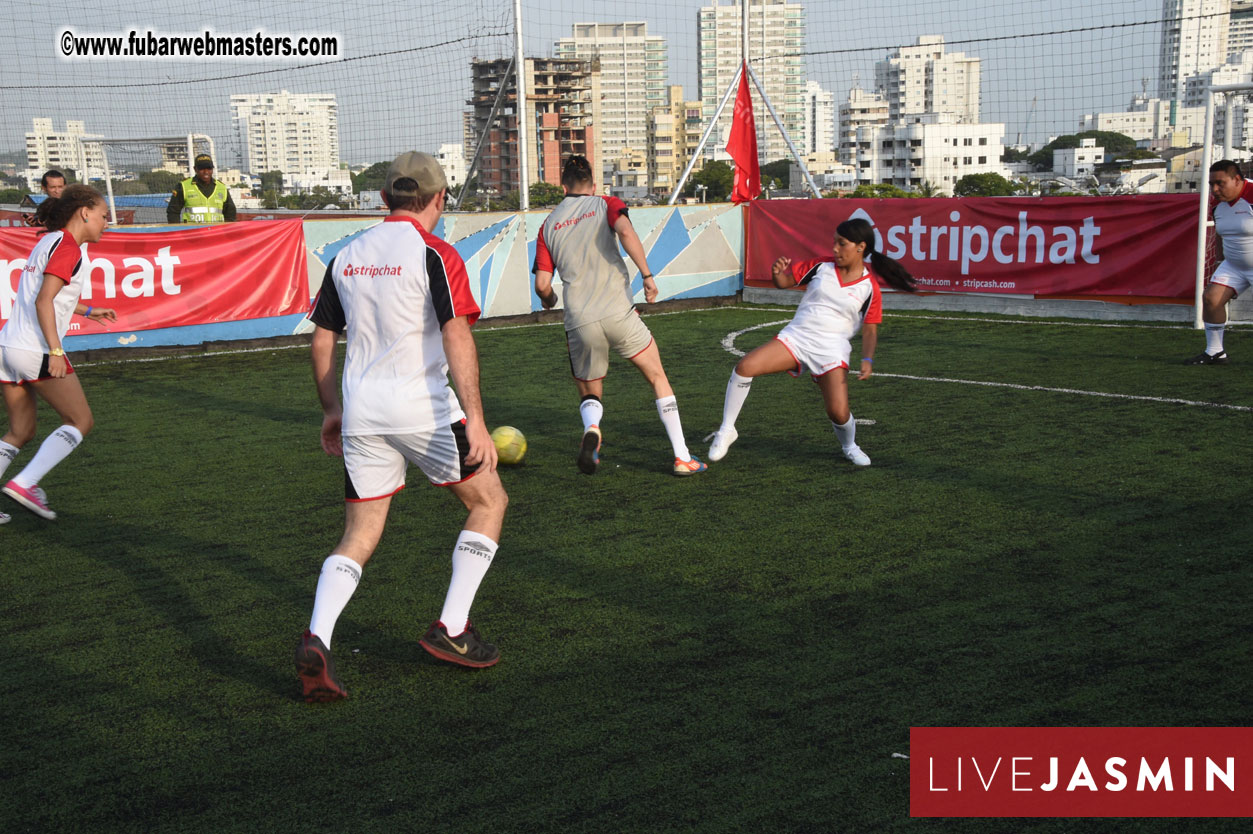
1143, 245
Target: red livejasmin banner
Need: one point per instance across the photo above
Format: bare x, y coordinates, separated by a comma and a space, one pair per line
1143, 245
228, 272
1081, 771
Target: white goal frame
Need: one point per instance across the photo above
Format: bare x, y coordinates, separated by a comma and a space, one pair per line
156, 141
1207, 159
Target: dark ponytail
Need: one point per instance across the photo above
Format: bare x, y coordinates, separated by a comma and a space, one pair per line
61, 209
857, 230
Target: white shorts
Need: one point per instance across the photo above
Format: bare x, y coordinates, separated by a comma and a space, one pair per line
17, 365
1229, 276
589, 345
817, 359
374, 464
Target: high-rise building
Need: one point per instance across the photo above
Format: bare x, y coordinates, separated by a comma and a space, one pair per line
860, 109
776, 36
932, 147
674, 132
1240, 29
1194, 40
46, 148
634, 71
923, 78
819, 133
561, 97
295, 133
1149, 119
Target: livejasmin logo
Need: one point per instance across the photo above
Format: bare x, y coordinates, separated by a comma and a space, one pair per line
1080, 772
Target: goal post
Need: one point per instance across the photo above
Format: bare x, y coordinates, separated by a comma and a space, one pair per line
117, 155
1237, 123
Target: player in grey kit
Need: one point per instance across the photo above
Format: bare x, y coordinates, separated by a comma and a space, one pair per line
579, 240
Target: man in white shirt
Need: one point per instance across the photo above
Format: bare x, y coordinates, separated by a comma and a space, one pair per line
403, 297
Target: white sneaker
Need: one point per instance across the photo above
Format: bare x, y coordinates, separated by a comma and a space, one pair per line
722, 440
5, 518
855, 455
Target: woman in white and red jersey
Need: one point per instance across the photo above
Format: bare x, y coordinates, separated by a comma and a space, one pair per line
841, 298
32, 360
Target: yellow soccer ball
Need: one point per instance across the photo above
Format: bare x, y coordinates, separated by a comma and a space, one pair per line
510, 444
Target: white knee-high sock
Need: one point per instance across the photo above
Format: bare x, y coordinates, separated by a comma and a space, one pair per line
7, 453
737, 392
55, 448
668, 408
591, 410
846, 433
339, 579
470, 560
1214, 338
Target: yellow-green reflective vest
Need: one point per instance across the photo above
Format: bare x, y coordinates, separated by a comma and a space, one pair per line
197, 208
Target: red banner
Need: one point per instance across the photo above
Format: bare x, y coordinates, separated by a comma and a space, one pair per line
1080, 771
1143, 245
227, 272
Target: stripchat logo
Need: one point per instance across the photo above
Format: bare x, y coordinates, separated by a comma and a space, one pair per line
1081, 772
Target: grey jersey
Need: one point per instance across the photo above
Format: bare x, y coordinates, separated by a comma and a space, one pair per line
578, 242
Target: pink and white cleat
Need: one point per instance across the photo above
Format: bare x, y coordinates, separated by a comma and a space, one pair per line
32, 498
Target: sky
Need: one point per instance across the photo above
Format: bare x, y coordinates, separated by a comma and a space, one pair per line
403, 76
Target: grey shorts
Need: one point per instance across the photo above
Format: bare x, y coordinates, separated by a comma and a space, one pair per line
589, 345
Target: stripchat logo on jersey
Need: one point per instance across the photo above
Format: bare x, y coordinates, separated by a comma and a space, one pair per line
1081, 772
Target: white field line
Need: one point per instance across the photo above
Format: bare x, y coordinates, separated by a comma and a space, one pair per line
728, 344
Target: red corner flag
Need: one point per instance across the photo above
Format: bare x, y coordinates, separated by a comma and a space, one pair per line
742, 145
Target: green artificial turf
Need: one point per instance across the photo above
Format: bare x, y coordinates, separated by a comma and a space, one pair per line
744, 650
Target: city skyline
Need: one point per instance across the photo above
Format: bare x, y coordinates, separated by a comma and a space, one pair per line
373, 126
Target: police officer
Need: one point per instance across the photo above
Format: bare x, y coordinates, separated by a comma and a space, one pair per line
201, 199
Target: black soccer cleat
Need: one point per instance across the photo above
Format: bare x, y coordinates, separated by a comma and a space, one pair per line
316, 670
466, 649
1219, 358
589, 451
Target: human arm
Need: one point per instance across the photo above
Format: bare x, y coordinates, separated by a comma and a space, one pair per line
635, 250
869, 340
323, 358
46, 315
463, 365
544, 288
781, 274
95, 313
174, 208
228, 208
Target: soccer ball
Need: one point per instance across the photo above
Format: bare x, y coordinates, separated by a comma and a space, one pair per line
510, 444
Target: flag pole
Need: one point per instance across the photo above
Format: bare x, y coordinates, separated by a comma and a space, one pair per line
678, 188
788, 139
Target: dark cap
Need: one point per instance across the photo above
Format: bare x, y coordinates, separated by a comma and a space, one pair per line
203, 161
422, 168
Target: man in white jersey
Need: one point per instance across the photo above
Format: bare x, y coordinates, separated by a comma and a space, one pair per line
579, 241
403, 297
1233, 221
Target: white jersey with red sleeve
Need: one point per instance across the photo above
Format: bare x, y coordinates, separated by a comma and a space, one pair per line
56, 254
1233, 220
830, 308
392, 290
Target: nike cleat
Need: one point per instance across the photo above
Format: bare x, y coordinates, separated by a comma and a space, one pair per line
589, 451
683, 468
722, 440
856, 456
466, 649
316, 669
32, 498
1219, 358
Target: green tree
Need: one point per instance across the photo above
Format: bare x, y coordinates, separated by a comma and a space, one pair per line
879, 190
545, 194
983, 185
272, 181
1113, 143
371, 179
12, 195
926, 188
159, 182
717, 177
780, 171
1015, 155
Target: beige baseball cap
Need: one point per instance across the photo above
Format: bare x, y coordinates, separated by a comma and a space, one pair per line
422, 168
